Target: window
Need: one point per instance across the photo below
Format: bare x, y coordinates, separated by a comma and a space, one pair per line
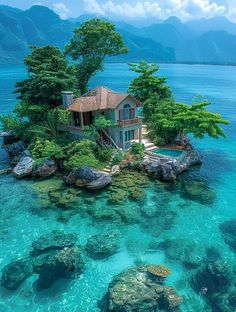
129, 135
127, 112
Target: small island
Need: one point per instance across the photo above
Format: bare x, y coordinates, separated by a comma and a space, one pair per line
61, 125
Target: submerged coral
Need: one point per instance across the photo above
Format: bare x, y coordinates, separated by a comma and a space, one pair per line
103, 245
228, 230
136, 290
15, 273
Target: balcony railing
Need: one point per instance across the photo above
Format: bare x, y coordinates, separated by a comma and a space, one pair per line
128, 122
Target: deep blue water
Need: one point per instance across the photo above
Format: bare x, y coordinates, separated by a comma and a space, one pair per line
23, 216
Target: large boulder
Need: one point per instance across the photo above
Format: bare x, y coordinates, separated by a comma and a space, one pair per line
103, 245
55, 240
24, 168
167, 168
15, 273
55, 264
16, 149
228, 230
88, 178
139, 289
46, 169
193, 158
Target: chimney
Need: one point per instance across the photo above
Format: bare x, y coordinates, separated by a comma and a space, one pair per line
67, 98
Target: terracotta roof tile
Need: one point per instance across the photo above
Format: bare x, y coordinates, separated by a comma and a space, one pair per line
98, 99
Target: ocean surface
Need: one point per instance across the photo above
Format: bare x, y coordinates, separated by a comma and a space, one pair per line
26, 213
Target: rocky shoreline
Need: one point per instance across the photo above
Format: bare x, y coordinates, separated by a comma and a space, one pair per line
163, 168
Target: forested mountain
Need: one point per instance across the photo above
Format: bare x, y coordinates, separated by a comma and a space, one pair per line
203, 41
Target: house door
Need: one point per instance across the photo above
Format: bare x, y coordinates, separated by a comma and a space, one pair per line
76, 119
88, 118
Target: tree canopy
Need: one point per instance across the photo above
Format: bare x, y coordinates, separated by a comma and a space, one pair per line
48, 75
170, 119
92, 42
148, 83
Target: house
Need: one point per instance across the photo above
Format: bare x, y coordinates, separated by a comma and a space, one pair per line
121, 108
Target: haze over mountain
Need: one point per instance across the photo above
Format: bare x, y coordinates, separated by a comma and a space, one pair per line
203, 41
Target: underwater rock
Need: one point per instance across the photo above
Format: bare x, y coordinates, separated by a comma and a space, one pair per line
117, 197
16, 149
53, 240
197, 190
88, 178
15, 273
5, 171
23, 168
224, 302
214, 278
137, 194
129, 215
103, 245
184, 251
46, 169
228, 230
138, 290
54, 264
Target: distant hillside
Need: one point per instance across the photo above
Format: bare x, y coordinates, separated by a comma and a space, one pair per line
40, 26
211, 41
36, 26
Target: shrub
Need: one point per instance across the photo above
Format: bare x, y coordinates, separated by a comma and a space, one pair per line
83, 147
137, 149
104, 153
77, 161
118, 158
45, 149
159, 141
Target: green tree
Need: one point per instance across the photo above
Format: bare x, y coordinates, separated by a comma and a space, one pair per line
148, 84
170, 119
50, 127
48, 75
92, 42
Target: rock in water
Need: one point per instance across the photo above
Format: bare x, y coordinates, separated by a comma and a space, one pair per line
16, 149
56, 264
88, 178
54, 240
15, 273
46, 169
103, 245
228, 230
137, 290
24, 168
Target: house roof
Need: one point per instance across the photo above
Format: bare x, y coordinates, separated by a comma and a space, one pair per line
100, 98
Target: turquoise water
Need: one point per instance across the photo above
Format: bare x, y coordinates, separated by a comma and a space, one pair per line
25, 212
167, 152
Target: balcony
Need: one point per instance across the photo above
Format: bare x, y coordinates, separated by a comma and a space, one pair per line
129, 122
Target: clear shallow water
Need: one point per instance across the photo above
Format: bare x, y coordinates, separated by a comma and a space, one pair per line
24, 216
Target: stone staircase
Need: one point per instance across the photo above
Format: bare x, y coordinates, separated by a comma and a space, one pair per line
109, 165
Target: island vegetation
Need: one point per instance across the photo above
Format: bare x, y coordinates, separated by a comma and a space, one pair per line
40, 120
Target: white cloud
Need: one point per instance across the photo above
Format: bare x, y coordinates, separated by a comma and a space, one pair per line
61, 9
185, 9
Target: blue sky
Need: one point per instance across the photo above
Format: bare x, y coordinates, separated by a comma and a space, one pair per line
131, 10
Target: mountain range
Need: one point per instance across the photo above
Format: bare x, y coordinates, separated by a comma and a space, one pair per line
207, 41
